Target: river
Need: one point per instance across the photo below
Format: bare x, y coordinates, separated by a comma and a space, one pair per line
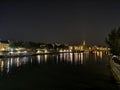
57, 71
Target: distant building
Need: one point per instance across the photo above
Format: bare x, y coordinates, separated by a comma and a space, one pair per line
4, 45
78, 47
84, 43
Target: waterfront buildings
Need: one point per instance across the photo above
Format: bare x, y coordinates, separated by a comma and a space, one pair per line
4, 45
84, 47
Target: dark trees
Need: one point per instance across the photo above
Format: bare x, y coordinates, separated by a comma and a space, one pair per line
113, 41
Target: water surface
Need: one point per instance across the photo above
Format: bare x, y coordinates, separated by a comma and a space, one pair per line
57, 71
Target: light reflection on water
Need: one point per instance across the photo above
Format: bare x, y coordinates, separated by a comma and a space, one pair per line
81, 57
6, 64
98, 54
38, 58
46, 56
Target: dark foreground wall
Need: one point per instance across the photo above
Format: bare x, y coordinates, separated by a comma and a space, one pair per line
115, 68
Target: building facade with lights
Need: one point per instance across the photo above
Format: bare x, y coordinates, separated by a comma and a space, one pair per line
4, 45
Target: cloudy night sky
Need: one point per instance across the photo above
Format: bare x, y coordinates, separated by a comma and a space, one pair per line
58, 21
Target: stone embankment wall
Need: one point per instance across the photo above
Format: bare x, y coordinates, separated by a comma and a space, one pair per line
115, 68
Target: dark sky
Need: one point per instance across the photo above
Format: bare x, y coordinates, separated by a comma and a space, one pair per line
58, 21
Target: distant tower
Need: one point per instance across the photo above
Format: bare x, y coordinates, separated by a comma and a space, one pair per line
83, 43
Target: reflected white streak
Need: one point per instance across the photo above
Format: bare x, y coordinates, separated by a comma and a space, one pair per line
38, 58
76, 57
18, 62
31, 60
8, 66
24, 60
81, 58
101, 54
46, 58
57, 59
71, 57
2, 65
61, 56
11, 61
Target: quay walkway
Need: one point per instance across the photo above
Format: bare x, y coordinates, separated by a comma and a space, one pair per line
115, 68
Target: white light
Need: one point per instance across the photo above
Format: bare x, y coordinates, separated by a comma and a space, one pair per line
11, 52
60, 50
38, 51
46, 51
64, 50
25, 52
19, 52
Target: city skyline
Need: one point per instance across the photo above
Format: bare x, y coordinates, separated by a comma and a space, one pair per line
59, 21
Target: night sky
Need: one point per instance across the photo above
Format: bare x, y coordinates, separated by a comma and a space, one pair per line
58, 21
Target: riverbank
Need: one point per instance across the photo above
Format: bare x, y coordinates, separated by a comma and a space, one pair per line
23, 55
115, 68
30, 54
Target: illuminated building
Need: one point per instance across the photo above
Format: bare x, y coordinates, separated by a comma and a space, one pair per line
4, 45
86, 48
84, 43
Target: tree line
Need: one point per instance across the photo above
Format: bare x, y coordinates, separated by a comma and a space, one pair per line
36, 45
113, 41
